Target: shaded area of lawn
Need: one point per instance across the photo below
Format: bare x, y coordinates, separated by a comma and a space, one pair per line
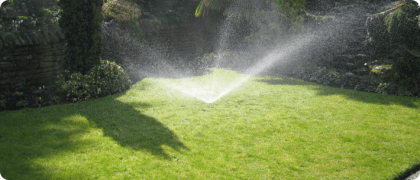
404, 175
373, 98
132, 129
32, 134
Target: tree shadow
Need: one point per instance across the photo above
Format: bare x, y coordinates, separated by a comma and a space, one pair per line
407, 174
130, 128
366, 97
31, 134
372, 98
283, 81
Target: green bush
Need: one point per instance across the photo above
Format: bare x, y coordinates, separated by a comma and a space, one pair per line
102, 80
28, 97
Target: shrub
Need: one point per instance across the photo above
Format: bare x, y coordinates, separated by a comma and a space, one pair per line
28, 97
102, 80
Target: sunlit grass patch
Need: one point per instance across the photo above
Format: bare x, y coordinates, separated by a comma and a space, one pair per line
266, 128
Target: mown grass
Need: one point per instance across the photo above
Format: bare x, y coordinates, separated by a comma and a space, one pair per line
268, 128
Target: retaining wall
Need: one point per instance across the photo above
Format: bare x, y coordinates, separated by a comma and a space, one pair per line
30, 58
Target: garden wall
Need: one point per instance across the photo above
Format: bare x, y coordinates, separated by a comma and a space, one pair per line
35, 58
30, 58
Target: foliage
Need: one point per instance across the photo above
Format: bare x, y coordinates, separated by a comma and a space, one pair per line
122, 10
236, 10
331, 77
47, 12
402, 26
404, 32
397, 31
28, 97
289, 8
322, 76
268, 28
405, 74
138, 31
293, 12
147, 5
34, 6
81, 21
258, 22
104, 79
217, 5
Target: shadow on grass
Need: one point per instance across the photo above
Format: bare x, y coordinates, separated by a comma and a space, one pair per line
406, 174
130, 128
30, 135
284, 81
373, 98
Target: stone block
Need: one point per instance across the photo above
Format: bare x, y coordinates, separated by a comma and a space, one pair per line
15, 40
18, 82
30, 67
50, 36
45, 40
24, 43
20, 58
59, 32
4, 65
39, 37
46, 64
3, 38
34, 38
8, 58
6, 41
3, 82
12, 69
26, 36
33, 71
47, 58
53, 36
44, 34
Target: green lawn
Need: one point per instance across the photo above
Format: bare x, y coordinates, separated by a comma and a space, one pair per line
267, 128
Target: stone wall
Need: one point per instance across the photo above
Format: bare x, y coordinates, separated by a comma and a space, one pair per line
30, 58
35, 57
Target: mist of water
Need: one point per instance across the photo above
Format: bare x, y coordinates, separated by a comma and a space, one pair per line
215, 86
212, 87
